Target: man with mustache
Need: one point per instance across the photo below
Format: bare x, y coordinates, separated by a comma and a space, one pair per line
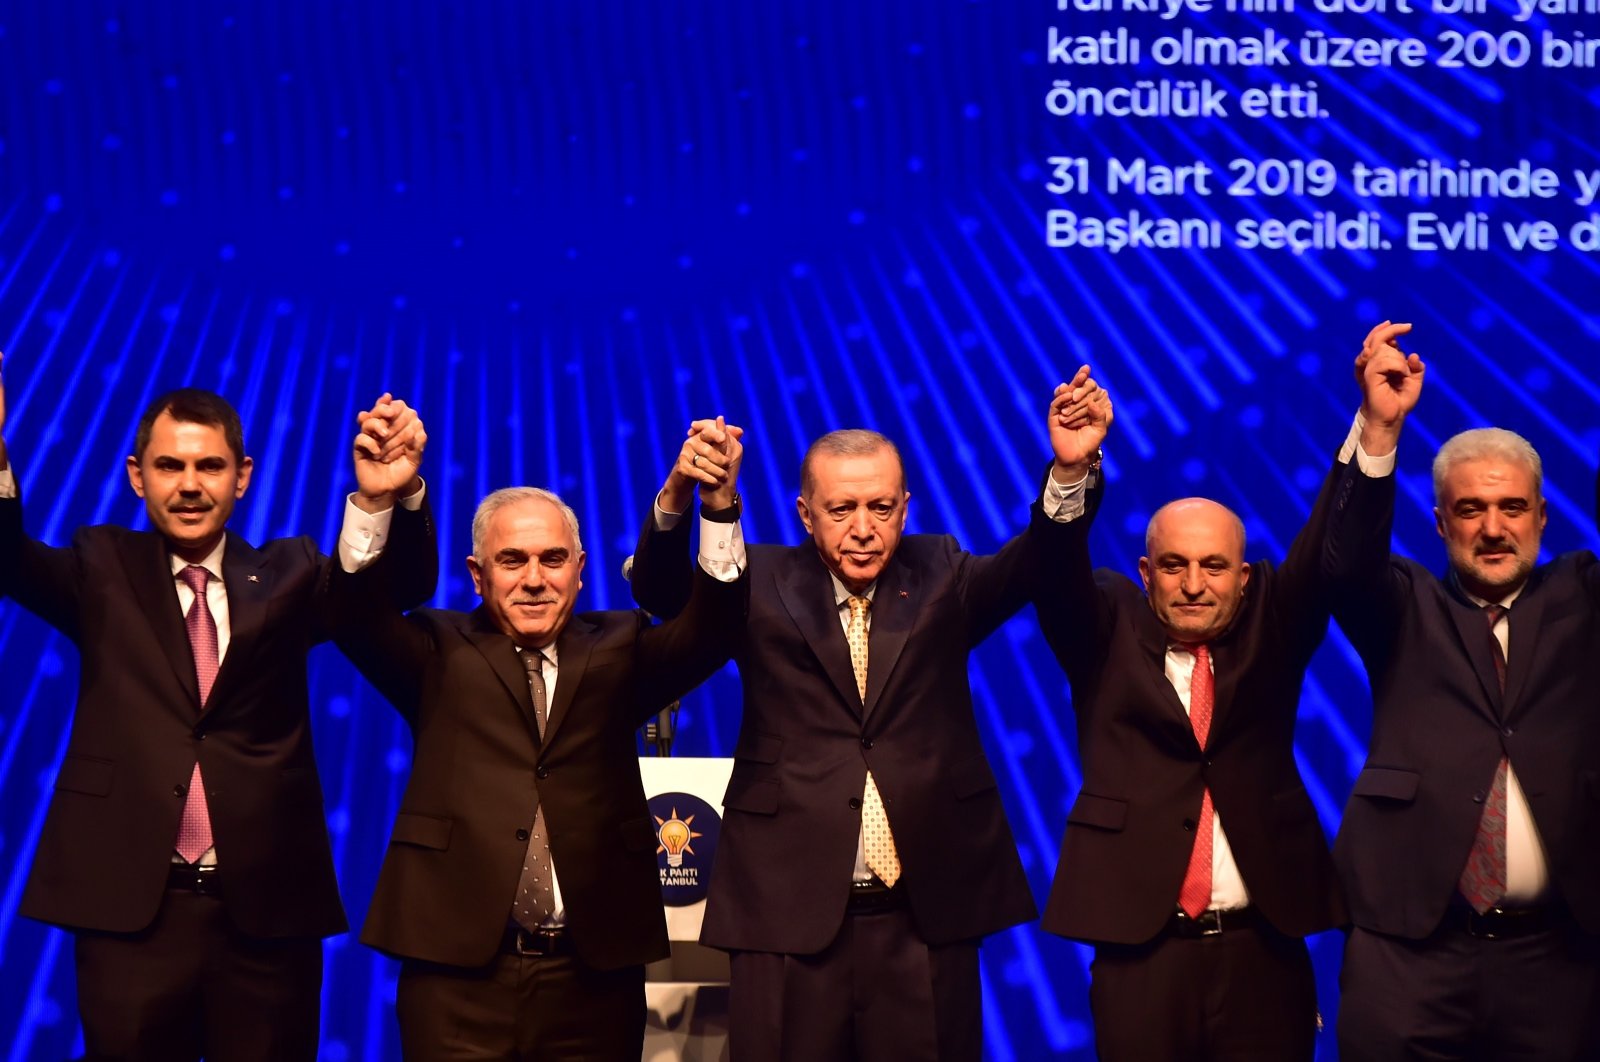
1470, 848
1192, 860
185, 846
520, 888
853, 930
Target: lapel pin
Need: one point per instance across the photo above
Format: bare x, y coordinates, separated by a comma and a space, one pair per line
904, 594
252, 578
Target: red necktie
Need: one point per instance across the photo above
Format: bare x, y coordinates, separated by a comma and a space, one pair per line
1195, 895
1483, 879
194, 829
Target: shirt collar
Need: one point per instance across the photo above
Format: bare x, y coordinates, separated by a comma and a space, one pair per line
842, 594
1504, 602
548, 651
212, 562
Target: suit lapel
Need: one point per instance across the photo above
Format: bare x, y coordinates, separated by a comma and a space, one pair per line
807, 595
500, 653
1525, 618
1472, 627
247, 582
573, 649
1153, 650
895, 605
150, 573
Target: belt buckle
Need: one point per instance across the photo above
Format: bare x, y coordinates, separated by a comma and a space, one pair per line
539, 942
1210, 923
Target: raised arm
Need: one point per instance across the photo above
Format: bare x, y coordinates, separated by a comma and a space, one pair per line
662, 575
994, 588
1361, 512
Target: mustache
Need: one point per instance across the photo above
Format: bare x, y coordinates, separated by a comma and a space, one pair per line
190, 507
533, 601
1500, 545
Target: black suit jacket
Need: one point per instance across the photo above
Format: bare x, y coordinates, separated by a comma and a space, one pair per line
1440, 723
106, 846
480, 770
792, 809
1130, 831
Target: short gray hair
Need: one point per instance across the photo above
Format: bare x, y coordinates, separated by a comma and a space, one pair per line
505, 496
1486, 444
848, 442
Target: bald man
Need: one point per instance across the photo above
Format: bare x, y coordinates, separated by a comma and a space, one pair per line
1193, 859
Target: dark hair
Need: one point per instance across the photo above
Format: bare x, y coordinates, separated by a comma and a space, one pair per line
191, 405
848, 442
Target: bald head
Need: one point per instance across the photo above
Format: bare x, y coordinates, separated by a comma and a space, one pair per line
1193, 569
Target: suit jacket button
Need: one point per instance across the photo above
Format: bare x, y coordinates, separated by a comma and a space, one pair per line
180, 790
855, 803
542, 773
1188, 825
522, 835
1477, 798
866, 743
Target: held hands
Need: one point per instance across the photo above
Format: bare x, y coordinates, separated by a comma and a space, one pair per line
387, 452
709, 459
1080, 413
1391, 383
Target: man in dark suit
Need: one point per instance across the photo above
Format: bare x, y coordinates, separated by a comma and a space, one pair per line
1192, 859
1470, 848
851, 911
520, 888
185, 845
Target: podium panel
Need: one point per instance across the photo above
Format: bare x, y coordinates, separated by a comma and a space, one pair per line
686, 994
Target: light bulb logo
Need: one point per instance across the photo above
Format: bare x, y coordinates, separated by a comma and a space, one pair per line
674, 836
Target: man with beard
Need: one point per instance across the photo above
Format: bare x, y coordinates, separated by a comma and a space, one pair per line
1470, 849
185, 846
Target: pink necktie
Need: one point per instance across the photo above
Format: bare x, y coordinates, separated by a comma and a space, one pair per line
1195, 895
194, 829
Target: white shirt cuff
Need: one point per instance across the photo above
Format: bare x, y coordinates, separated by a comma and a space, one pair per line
665, 521
722, 553
1372, 467
363, 535
1064, 502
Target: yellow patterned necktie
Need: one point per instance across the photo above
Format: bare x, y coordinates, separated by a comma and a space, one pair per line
882, 859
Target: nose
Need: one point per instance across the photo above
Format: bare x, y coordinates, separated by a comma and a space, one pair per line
189, 481
861, 525
533, 575
1194, 584
1493, 526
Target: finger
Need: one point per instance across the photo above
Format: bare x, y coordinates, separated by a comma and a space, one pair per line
365, 447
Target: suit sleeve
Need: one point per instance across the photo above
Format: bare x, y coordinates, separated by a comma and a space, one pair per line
389, 649
1364, 588
1300, 598
1073, 614
663, 572
45, 580
413, 557
676, 656
995, 587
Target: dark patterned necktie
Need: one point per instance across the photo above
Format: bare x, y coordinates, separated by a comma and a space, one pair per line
1195, 894
536, 894
1483, 880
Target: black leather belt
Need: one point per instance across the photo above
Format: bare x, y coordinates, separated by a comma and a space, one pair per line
541, 942
874, 895
1503, 923
194, 878
1213, 923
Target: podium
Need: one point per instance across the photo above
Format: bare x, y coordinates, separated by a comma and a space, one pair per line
686, 994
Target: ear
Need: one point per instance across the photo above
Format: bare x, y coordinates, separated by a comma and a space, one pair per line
477, 575
1544, 514
800, 507
1244, 575
135, 476
1144, 572
905, 507
1438, 521
582, 556
245, 468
